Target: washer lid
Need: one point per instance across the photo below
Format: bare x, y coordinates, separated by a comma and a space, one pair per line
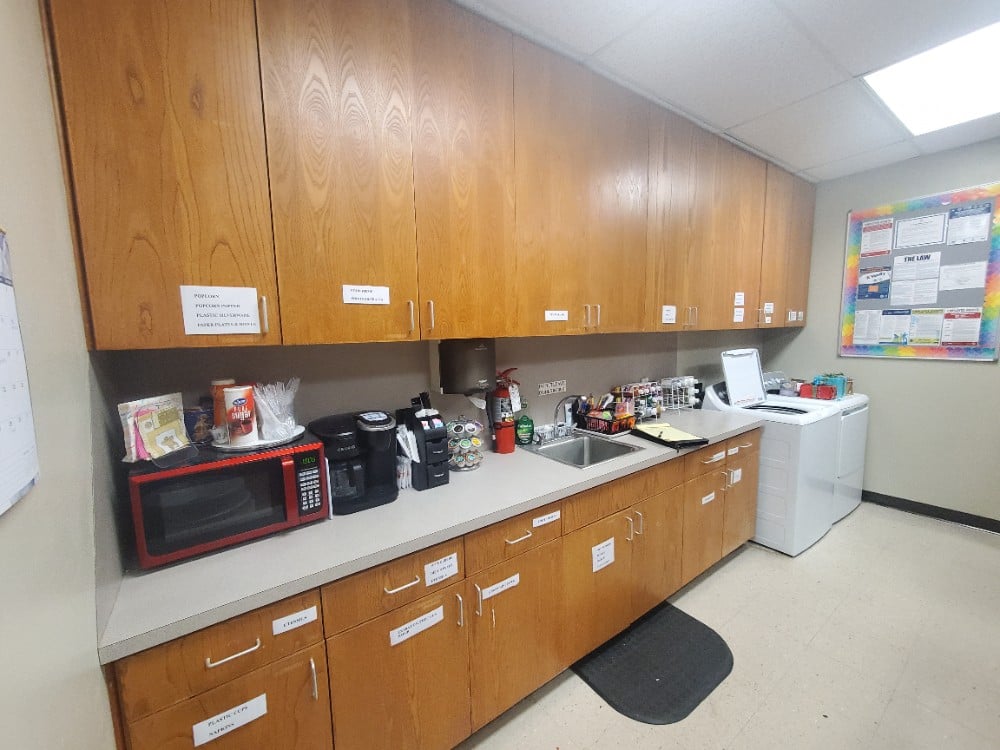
744, 379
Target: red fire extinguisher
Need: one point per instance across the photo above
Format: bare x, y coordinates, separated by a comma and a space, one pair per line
501, 409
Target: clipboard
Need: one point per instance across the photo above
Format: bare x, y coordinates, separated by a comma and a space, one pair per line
664, 434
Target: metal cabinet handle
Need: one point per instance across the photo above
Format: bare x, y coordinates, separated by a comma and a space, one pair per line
312, 669
716, 458
695, 315
587, 324
414, 582
642, 524
760, 315
631, 529
598, 315
527, 535
263, 315
213, 664
461, 611
413, 320
430, 307
728, 475
479, 600
748, 445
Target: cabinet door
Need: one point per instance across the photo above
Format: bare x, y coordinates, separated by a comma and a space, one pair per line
402, 680
337, 106
784, 274
463, 172
740, 517
289, 700
800, 251
581, 187
516, 624
656, 552
166, 146
704, 498
597, 584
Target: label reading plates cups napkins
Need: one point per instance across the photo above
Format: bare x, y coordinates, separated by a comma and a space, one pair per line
547, 518
553, 315
498, 588
410, 629
603, 554
441, 570
227, 721
355, 294
294, 620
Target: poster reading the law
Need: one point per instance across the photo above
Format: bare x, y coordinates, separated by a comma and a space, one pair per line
18, 455
922, 278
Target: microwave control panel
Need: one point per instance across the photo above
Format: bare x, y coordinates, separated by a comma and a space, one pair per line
310, 484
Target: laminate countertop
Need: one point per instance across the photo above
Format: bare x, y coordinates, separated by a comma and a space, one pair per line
154, 607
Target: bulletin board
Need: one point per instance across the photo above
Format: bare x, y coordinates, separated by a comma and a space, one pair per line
922, 278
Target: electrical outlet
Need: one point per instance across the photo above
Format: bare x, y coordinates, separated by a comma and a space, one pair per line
555, 386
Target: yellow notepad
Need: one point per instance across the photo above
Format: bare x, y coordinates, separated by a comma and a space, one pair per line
664, 433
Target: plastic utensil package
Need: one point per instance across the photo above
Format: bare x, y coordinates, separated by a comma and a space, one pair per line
153, 427
274, 405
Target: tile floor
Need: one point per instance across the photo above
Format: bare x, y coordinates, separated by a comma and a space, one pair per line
885, 634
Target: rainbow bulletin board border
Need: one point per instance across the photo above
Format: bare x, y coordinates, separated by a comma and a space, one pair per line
987, 346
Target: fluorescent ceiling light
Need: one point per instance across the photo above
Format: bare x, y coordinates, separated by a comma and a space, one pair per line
943, 86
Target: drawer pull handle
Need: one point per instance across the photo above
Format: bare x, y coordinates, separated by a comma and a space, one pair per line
748, 445
461, 611
414, 582
527, 535
312, 669
213, 664
631, 529
642, 524
716, 458
479, 600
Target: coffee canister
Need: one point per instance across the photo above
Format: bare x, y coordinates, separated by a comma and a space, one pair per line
241, 421
218, 401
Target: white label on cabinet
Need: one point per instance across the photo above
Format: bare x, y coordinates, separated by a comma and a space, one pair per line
547, 518
355, 294
708, 498
441, 570
294, 620
767, 319
603, 554
499, 588
791, 316
669, 314
737, 476
739, 299
219, 309
801, 315
769, 308
733, 451
737, 314
552, 315
413, 627
227, 721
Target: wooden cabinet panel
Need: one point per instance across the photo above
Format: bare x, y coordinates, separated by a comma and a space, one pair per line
463, 171
704, 498
338, 105
411, 694
657, 549
740, 517
744, 443
294, 691
166, 147
164, 675
516, 624
787, 248
581, 188
372, 592
800, 251
591, 505
506, 539
597, 602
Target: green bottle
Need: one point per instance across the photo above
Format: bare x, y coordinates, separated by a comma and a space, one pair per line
525, 430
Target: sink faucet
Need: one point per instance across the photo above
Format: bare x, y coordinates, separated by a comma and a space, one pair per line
560, 413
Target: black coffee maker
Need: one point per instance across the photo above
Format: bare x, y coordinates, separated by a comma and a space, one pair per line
361, 450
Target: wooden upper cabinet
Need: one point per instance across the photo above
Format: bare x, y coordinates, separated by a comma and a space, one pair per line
581, 189
165, 135
784, 275
706, 217
338, 96
463, 172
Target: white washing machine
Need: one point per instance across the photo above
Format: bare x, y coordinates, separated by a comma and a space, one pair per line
812, 454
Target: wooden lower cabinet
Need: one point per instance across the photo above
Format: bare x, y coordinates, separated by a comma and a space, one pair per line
656, 549
401, 680
515, 627
704, 499
740, 511
290, 696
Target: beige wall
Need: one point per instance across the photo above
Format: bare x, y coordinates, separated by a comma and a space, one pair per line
934, 426
51, 691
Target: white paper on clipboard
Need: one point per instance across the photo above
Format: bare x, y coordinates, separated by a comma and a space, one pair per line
18, 452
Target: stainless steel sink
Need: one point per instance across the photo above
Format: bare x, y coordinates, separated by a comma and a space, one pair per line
581, 450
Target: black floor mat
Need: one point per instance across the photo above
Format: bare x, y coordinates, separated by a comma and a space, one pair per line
660, 669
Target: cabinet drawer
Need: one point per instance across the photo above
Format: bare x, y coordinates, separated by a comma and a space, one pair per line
164, 675
745, 443
510, 538
590, 505
370, 593
289, 700
704, 460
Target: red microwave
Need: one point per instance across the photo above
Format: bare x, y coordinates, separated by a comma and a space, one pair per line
221, 500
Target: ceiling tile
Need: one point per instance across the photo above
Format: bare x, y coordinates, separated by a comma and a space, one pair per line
863, 36
835, 124
578, 26
722, 62
880, 157
982, 129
